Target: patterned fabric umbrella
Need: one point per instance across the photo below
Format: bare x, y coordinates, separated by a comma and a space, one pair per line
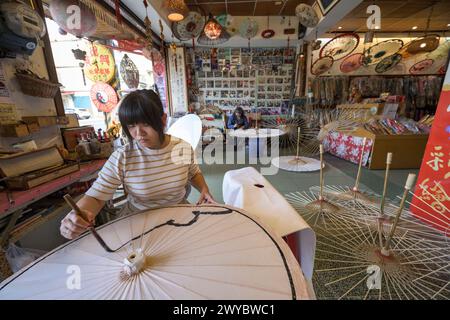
307, 15
381, 50
388, 63
340, 46
190, 27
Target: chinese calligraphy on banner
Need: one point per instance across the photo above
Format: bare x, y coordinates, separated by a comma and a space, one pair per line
178, 88
100, 65
431, 200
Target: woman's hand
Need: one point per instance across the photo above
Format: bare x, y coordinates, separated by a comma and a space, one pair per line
73, 224
206, 197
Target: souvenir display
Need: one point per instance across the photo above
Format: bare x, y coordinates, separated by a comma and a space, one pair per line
381, 50
321, 65
421, 66
340, 46
424, 44
190, 27
388, 63
351, 63
104, 97
129, 72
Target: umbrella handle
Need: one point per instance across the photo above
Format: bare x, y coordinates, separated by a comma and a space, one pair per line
79, 212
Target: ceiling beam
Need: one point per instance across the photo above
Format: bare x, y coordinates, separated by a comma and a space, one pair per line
340, 10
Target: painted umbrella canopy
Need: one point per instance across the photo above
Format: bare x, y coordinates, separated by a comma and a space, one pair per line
179, 252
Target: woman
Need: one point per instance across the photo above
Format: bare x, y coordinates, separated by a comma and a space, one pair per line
238, 120
154, 168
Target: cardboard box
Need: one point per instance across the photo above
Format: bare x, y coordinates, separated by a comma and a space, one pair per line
24, 162
407, 149
70, 136
42, 121
14, 130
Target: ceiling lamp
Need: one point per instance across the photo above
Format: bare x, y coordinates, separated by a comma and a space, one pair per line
176, 9
212, 28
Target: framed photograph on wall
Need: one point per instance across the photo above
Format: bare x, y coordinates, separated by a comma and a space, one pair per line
326, 5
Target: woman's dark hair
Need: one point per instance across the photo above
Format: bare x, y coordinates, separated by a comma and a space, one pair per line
142, 106
240, 110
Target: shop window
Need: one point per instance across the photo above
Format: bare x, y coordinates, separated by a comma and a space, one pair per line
70, 56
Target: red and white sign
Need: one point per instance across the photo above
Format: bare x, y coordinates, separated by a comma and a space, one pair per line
104, 96
431, 201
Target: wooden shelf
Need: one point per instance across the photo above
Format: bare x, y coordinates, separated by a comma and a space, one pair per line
62, 207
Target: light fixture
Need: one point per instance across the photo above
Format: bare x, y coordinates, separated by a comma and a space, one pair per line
212, 28
339, 27
414, 28
176, 9
377, 27
448, 24
423, 45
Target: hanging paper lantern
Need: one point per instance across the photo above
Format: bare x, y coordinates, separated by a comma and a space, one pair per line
204, 40
74, 17
212, 28
176, 9
104, 97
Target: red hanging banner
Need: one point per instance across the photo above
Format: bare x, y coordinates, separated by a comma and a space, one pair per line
431, 201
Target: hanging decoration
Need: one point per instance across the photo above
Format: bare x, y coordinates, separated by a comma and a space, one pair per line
104, 97
162, 37
129, 72
424, 44
212, 28
248, 29
388, 63
421, 66
204, 40
148, 41
268, 33
85, 26
189, 28
381, 50
307, 15
351, 63
322, 65
340, 46
100, 64
176, 9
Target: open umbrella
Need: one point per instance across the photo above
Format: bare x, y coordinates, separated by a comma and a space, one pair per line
177, 252
340, 46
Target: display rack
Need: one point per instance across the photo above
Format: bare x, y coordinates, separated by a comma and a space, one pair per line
249, 78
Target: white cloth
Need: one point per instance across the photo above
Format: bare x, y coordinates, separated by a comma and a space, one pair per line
271, 207
187, 128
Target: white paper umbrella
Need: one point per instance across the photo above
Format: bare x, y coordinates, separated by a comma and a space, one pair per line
178, 252
187, 128
298, 164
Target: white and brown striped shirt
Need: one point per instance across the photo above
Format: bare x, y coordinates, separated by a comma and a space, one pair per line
150, 177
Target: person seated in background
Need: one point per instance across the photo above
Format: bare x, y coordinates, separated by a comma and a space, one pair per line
238, 120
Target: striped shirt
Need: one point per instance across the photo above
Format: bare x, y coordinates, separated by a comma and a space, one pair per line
151, 177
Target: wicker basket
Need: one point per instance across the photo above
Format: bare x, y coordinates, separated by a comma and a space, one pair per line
36, 87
